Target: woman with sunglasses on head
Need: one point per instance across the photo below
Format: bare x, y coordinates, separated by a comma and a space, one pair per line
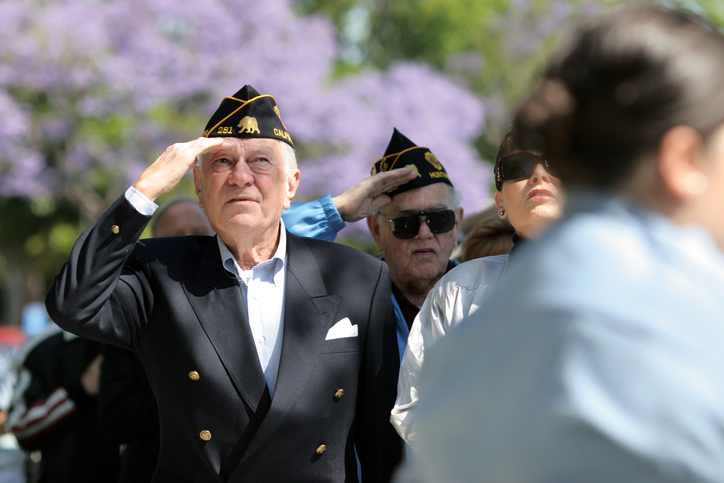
530, 198
598, 357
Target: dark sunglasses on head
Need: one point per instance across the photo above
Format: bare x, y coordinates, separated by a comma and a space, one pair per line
408, 226
518, 166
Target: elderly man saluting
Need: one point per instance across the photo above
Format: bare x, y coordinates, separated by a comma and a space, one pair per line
415, 229
418, 230
271, 356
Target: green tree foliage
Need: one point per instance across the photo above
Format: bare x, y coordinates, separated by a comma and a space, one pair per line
494, 47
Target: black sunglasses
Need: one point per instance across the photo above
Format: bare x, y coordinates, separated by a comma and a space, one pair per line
518, 166
408, 226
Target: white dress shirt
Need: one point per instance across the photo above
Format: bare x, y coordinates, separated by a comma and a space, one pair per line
263, 290
456, 296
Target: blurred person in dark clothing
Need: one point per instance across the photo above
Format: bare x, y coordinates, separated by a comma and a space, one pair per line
54, 409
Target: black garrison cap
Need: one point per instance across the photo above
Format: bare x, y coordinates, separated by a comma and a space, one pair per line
247, 114
402, 152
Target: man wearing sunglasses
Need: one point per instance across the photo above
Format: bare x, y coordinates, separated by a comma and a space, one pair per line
417, 231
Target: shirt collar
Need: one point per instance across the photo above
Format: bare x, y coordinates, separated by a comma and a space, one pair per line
276, 262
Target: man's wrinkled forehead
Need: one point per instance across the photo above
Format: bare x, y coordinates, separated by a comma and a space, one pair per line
434, 197
241, 148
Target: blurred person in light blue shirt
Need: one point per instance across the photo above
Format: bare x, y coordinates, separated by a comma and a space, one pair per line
598, 357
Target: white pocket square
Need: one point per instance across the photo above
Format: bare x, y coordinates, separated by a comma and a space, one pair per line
342, 329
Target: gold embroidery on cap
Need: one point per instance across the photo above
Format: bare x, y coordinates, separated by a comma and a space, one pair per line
241, 106
433, 160
282, 134
383, 162
249, 125
279, 115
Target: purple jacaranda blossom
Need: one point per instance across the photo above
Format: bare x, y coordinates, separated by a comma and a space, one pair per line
89, 86
16, 123
527, 25
425, 106
23, 169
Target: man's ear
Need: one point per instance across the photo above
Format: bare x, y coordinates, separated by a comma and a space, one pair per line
197, 185
373, 223
678, 162
459, 219
292, 185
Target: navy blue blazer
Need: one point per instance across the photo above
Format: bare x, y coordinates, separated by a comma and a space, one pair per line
171, 301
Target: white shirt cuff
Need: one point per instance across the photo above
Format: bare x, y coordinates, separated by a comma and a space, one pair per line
140, 202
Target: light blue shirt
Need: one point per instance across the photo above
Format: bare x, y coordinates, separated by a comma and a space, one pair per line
598, 358
314, 219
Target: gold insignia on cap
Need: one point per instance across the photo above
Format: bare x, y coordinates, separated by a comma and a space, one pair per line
383, 165
282, 134
249, 125
279, 115
433, 160
374, 170
414, 168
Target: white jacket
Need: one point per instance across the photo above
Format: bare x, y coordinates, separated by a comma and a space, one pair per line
456, 295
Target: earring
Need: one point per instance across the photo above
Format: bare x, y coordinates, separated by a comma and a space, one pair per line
696, 183
502, 212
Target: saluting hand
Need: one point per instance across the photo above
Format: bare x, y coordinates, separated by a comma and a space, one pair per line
177, 160
365, 197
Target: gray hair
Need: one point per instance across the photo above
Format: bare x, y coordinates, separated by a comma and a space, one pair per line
457, 198
290, 158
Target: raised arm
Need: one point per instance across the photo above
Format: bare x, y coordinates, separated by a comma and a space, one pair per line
81, 297
325, 217
365, 197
